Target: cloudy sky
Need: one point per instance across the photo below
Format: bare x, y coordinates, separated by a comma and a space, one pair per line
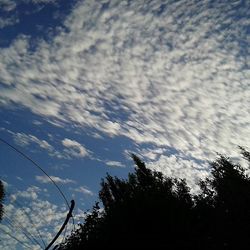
85, 82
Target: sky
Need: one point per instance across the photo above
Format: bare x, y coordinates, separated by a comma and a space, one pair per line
84, 83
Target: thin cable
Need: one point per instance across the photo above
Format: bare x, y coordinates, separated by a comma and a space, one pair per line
23, 230
29, 218
11, 226
29, 159
32, 161
13, 237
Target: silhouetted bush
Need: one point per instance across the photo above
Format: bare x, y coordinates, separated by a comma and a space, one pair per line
150, 210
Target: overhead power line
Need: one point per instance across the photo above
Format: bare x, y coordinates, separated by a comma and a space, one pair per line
23, 230
34, 163
29, 218
41, 169
16, 239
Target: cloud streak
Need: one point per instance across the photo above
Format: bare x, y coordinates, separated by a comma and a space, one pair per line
71, 148
74, 148
28, 140
114, 164
174, 75
56, 179
83, 190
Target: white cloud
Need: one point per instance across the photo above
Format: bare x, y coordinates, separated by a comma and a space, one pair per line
33, 217
178, 79
35, 214
31, 193
27, 140
7, 20
84, 190
45, 179
71, 148
74, 148
176, 166
9, 10
37, 123
151, 153
19, 178
4, 22
7, 5
114, 164
43, 1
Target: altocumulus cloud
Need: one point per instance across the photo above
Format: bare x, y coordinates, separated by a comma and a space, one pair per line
45, 179
114, 164
174, 75
74, 148
9, 15
34, 215
71, 148
83, 190
23, 139
28, 140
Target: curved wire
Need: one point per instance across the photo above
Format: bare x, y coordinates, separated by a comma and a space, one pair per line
29, 159
69, 215
34, 163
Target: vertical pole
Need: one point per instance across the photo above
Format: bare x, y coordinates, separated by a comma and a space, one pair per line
63, 226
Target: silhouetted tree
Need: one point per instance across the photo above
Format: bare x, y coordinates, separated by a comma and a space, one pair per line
150, 210
1, 199
223, 207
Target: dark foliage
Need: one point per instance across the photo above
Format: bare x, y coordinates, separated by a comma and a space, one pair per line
1, 199
149, 210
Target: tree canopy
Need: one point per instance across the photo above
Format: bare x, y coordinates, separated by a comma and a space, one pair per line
1, 199
150, 210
